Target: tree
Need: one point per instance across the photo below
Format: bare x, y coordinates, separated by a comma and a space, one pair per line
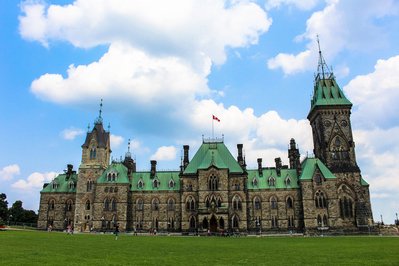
19, 214
3, 207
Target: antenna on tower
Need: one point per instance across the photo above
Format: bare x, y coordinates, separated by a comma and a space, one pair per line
322, 68
99, 118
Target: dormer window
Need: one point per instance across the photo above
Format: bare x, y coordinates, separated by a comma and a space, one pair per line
140, 184
255, 182
288, 181
55, 185
272, 181
111, 177
171, 183
156, 183
71, 185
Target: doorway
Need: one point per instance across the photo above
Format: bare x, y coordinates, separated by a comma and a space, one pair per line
213, 224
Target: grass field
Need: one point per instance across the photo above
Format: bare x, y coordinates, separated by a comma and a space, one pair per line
43, 248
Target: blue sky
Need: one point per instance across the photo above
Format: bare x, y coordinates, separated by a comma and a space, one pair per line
164, 67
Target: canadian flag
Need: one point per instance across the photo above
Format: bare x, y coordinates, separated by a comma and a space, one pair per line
215, 118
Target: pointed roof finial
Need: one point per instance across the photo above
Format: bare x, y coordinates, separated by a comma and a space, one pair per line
88, 127
128, 146
322, 68
99, 119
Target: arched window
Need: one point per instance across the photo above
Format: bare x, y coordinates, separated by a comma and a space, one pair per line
155, 183
51, 204
274, 222
109, 177
113, 205
190, 203
140, 184
171, 204
140, 204
55, 184
289, 203
69, 205
155, 204
255, 182
93, 153
273, 203
213, 183
318, 179
106, 204
171, 183
221, 223
288, 181
88, 205
346, 207
257, 203
207, 203
219, 202
89, 185
237, 204
320, 200
325, 220
205, 223
71, 185
319, 221
234, 222
113, 177
192, 222
272, 181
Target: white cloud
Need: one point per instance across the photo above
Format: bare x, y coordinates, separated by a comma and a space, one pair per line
34, 181
339, 30
8, 172
301, 4
376, 94
116, 141
71, 133
165, 153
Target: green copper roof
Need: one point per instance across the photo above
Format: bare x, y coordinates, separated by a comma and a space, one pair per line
62, 184
287, 179
327, 92
363, 182
213, 154
166, 180
309, 167
120, 172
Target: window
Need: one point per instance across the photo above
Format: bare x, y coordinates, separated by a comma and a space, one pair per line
171, 183
288, 181
93, 153
155, 204
346, 208
55, 185
290, 221
113, 205
213, 183
255, 182
221, 223
237, 204
190, 204
140, 184
289, 203
140, 204
219, 202
318, 179
71, 185
88, 205
171, 204
192, 222
51, 205
89, 185
319, 222
106, 204
69, 205
257, 203
111, 177
274, 222
234, 222
320, 200
155, 183
272, 181
325, 220
273, 203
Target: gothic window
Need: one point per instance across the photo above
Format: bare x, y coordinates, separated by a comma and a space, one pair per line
89, 185
155, 204
289, 203
171, 204
221, 223
55, 185
257, 203
69, 205
113, 177
190, 204
255, 182
274, 222
213, 183
111, 190
88, 205
93, 153
320, 200
113, 205
171, 184
234, 221
205, 223
155, 183
140, 204
51, 205
346, 208
140, 184
106, 204
192, 222
288, 181
237, 203
71, 185
325, 220
319, 221
272, 181
207, 203
219, 203
318, 179
273, 203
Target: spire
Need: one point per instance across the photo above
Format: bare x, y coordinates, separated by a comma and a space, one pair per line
99, 119
322, 68
128, 154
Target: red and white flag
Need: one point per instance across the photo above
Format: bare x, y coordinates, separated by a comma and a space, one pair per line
215, 118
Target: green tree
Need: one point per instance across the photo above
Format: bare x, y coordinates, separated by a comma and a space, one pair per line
16, 212
3, 207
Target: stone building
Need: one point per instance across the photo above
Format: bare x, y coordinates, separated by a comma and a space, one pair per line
217, 192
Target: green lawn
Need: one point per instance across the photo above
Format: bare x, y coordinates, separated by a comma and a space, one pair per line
38, 248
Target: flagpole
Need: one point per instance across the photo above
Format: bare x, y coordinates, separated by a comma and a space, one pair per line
212, 130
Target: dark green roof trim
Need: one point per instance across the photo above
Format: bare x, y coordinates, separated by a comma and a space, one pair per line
281, 182
166, 181
119, 170
213, 154
363, 182
62, 184
328, 93
309, 166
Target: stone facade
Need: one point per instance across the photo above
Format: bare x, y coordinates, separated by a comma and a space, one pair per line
216, 192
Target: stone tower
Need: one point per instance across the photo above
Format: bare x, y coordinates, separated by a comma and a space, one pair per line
329, 118
96, 153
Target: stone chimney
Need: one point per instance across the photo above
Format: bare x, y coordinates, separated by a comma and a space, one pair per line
260, 170
240, 158
294, 156
278, 165
153, 168
186, 161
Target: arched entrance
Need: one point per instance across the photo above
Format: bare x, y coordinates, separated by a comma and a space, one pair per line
213, 224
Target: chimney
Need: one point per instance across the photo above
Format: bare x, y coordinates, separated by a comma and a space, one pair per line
185, 158
153, 168
278, 165
240, 159
69, 171
294, 156
260, 170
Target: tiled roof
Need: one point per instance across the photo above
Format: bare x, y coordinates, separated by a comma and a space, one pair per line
121, 174
327, 92
101, 136
281, 182
309, 166
62, 184
163, 178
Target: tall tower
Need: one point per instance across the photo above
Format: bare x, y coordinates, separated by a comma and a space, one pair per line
329, 117
96, 151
